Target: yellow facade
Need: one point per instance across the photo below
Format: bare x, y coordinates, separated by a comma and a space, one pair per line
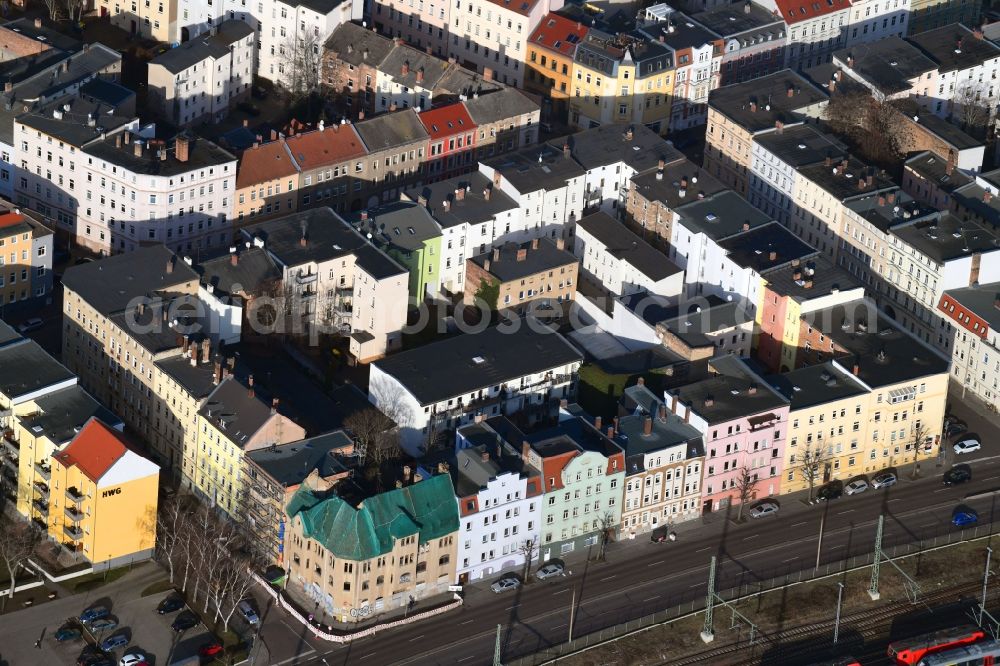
593, 92
865, 433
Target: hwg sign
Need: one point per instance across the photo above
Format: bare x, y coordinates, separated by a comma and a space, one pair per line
112, 492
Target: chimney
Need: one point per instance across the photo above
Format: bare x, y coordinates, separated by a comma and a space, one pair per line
746, 226
420, 75
392, 106
206, 349
709, 401
302, 241
790, 92
422, 200
987, 196
850, 62
234, 259
797, 274
274, 406
118, 140
38, 23
486, 265
185, 345
522, 254
170, 265
459, 194
828, 161
407, 471
217, 373
534, 243
487, 191
891, 198
525, 451
250, 391
138, 149
779, 126
647, 426
881, 200
561, 245
950, 166
181, 147
194, 355
598, 422
753, 107
832, 86
808, 284
496, 178
629, 134
364, 215
447, 205
566, 151
8, 86
485, 456
662, 412
611, 432
406, 67
772, 256
996, 301
487, 73
856, 369
274, 134
661, 164
364, 54
752, 389
361, 115
496, 254
429, 50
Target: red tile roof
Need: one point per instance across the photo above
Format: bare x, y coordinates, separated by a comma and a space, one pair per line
329, 146
264, 163
558, 33
522, 7
797, 11
10, 218
94, 450
447, 120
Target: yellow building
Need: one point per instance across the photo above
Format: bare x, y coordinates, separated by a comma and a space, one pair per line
102, 498
872, 399
549, 69
232, 421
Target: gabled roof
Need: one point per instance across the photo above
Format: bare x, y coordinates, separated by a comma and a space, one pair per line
391, 130
426, 509
355, 45
236, 411
627, 246
263, 163
500, 105
955, 47
101, 455
797, 11
325, 147
448, 120
558, 34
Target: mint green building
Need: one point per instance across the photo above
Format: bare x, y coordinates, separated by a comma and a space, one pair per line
407, 232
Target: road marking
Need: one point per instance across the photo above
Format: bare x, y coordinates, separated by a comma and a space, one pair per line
941, 490
655, 596
416, 638
657, 563
467, 622
894, 499
799, 524
752, 536
791, 559
840, 513
370, 654
991, 478
466, 658
702, 550
695, 585
608, 578
510, 608
559, 626
563, 591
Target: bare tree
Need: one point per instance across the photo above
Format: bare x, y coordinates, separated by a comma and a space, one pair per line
17, 543
53, 6
608, 526
237, 581
303, 51
971, 104
370, 427
528, 548
919, 434
75, 10
746, 486
874, 125
812, 466
170, 524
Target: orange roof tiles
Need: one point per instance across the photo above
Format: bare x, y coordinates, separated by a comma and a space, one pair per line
94, 450
447, 120
328, 146
558, 33
522, 7
10, 218
796, 11
263, 163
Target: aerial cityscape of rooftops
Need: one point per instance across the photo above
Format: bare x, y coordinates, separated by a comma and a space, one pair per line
401, 332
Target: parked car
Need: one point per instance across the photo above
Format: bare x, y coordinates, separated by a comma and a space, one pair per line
184, 621
103, 624
830, 491
171, 604
764, 509
549, 570
956, 475
210, 649
953, 428
662, 536
246, 609
964, 518
505, 584
29, 325
94, 613
133, 659
114, 641
92, 656
68, 634
967, 446
856, 487
884, 480
248, 108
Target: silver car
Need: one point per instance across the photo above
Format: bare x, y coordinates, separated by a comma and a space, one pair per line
884, 480
505, 584
765, 509
548, 571
855, 487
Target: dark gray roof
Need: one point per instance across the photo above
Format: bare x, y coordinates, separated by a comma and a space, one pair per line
390, 130
349, 41
947, 237
401, 224
942, 45
800, 145
289, 464
884, 353
253, 270
536, 168
888, 207
609, 144
742, 19
466, 363
414, 60
470, 473
44, 34
202, 153
734, 392
667, 189
61, 414
721, 215
947, 131
572, 433
596, 52
668, 429
25, 368
816, 385
846, 185
623, 244
321, 7
678, 33
980, 300
746, 104
694, 327
197, 380
546, 257
328, 236
888, 64
109, 284
7, 334
753, 248
474, 207
79, 126
933, 168
500, 105
188, 317
826, 277
458, 81
108, 92
235, 411
206, 45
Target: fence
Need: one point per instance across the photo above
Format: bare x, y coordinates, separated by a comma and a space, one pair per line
689, 604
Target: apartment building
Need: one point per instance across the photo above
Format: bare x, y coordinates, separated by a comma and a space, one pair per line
351, 59
373, 553
507, 121
472, 216
406, 78
426, 26
337, 280
452, 141
583, 472
103, 498
26, 252
328, 161
621, 263
537, 277
975, 356
663, 463
491, 36
265, 172
737, 113
967, 67
929, 14
233, 420
549, 65
744, 422
499, 496
815, 30
408, 233
202, 80
873, 20
755, 40
914, 74
519, 369
157, 21
396, 145
273, 475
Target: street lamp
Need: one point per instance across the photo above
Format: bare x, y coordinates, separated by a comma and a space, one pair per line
836, 624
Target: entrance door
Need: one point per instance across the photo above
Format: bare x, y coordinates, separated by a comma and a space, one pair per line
706, 507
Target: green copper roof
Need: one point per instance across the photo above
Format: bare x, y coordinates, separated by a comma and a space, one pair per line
427, 508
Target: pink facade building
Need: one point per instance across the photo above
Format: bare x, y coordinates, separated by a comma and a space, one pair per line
744, 423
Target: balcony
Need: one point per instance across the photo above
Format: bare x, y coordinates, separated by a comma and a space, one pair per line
43, 471
42, 489
40, 524
74, 495
10, 444
73, 514
306, 278
308, 295
41, 506
73, 532
345, 292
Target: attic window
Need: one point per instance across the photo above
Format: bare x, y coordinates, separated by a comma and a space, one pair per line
710, 217
478, 360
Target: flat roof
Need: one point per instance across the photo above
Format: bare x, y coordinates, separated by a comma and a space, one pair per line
981, 300
757, 104
888, 64
547, 256
473, 208
26, 368
955, 47
214, 44
610, 144
741, 18
825, 278
668, 189
466, 363
733, 392
536, 168
800, 145
766, 247
63, 413
934, 168
622, 244
847, 183
202, 154
290, 464
816, 385
947, 237
721, 215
